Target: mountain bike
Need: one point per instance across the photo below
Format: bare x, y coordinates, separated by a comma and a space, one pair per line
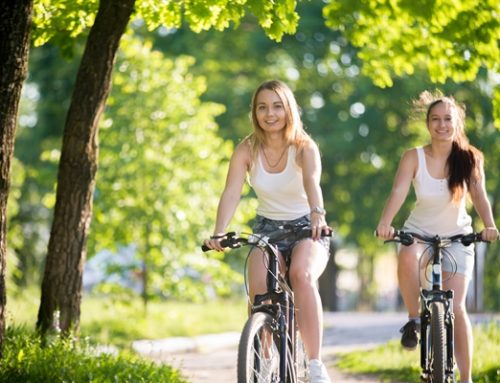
270, 348
436, 306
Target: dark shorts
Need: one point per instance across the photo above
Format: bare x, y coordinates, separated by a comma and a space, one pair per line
265, 226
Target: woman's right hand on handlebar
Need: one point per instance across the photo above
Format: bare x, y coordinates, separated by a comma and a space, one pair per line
489, 234
385, 231
213, 242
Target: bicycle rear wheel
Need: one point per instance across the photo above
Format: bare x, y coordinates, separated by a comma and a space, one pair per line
258, 352
438, 343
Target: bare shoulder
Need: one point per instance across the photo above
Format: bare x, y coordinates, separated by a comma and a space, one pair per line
243, 152
307, 146
307, 152
409, 161
410, 156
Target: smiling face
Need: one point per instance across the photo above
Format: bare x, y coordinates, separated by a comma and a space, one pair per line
442, 121
274, 109
270, 111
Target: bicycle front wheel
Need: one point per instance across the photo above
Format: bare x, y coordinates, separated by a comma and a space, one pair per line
438, 342
258, 351
301, 360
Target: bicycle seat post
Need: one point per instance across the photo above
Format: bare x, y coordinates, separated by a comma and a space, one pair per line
272, 274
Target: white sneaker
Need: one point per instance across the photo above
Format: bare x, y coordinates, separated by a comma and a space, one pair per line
317, 372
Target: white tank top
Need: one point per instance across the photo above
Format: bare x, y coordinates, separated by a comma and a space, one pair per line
434, 212
280, 196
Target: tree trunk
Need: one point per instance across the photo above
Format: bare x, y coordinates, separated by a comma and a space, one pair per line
328, 281
15, 25
366, 268
62, 280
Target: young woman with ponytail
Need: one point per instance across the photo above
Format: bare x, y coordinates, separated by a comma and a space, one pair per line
443, 173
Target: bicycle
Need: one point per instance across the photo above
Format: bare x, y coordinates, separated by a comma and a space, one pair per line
436, 307
270, 348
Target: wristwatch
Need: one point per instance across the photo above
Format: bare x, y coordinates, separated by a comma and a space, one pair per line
319, 210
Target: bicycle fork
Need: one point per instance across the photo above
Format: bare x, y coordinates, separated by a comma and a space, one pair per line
450, 338
427, 297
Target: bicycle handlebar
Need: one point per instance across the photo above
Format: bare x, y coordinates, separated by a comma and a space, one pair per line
407, 238
233, 240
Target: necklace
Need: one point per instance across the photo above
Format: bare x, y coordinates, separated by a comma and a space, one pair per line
279, 159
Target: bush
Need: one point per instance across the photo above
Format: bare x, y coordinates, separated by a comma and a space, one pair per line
28, 359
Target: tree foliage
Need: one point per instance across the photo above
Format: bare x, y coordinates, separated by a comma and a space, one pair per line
361, 129
450, 39
78, 163
161, 166
62, 21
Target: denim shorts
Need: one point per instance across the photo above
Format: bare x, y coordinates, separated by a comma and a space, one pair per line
265, 226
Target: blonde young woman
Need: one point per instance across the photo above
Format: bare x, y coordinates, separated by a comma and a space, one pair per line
443, 172
284, 166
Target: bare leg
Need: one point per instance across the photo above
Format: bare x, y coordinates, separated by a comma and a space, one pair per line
257, 272
257, 280
309, 259
408, 278
463, 329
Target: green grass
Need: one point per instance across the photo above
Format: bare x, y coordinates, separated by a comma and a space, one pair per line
26, 359
390, 363
119, 322
103, 320
107, 322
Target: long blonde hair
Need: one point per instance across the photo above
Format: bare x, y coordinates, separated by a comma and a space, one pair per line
294, 129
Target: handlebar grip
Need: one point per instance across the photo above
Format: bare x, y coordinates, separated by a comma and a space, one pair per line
224, 243
405, 238
468, 239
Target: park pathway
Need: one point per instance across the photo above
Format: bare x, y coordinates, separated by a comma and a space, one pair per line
212, 358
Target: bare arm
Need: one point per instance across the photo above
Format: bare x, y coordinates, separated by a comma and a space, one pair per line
482, 205
311, 175
402, 182
230, 198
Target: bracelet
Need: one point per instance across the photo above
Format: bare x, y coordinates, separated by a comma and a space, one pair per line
319, 210
217, 236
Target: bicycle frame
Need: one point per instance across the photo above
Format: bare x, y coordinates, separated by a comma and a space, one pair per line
275, 308
436, 313
427, 298
281, 307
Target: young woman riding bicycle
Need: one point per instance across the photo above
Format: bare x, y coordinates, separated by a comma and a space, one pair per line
284, 166
443, 172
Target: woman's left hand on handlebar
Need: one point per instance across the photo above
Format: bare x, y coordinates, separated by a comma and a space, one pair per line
318, 226
489, 234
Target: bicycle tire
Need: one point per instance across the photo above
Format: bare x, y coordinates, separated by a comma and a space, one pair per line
438, 342
258, 356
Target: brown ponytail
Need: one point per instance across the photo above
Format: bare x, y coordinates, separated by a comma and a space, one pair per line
463, 168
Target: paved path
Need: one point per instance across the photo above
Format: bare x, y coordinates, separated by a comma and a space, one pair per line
212, 358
